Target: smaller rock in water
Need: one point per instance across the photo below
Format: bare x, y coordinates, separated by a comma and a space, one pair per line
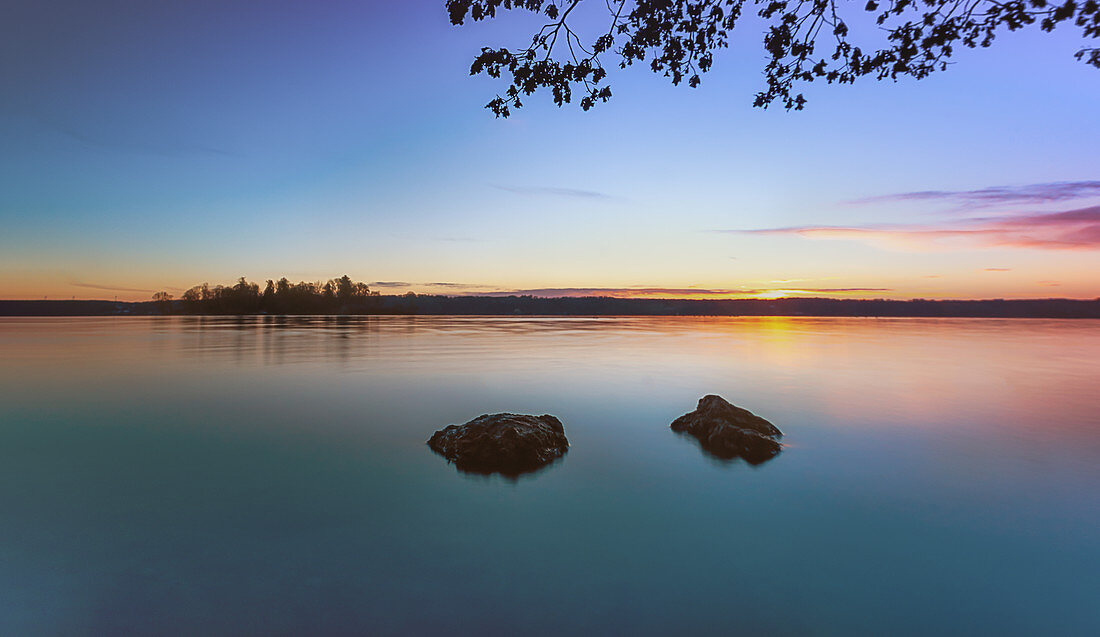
727, 431
509, 444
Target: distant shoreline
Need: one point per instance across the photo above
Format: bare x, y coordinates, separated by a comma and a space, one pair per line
432, 305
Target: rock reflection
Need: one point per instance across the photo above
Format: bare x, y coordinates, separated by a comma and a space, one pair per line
482, 475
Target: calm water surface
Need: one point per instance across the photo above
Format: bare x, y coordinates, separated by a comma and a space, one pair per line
267, 476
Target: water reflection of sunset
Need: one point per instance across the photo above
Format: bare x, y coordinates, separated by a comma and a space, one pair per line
902, 371
295, 447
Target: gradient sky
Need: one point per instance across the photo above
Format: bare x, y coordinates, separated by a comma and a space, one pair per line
156, 145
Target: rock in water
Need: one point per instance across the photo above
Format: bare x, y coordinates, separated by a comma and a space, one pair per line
506, 443
727, 431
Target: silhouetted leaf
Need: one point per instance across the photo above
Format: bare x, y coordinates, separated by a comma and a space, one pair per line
679, 38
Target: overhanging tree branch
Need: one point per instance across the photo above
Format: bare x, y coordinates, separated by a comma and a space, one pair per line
679, 39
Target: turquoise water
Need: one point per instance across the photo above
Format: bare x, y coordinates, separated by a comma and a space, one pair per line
268, 476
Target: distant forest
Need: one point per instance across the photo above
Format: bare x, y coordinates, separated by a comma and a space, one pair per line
346, 297
337, 296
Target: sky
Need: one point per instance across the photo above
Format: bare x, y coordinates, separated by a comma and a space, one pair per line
155, 146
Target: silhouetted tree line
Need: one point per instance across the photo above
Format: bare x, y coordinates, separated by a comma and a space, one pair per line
282, 297
336, 296
607, 306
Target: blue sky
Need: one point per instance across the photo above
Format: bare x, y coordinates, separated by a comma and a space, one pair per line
153, 146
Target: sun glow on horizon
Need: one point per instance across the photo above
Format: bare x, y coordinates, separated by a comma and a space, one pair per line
772, 294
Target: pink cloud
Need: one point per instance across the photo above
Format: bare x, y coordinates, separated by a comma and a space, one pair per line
1000, 195
1069, 230
662, 292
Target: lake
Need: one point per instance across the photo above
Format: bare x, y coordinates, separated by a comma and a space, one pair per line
269, 476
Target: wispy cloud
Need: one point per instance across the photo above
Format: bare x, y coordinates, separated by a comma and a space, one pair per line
109, 288
996, 269
1069, 230
616, 292
628, 292
1000, 195
551, 191
457, 286
838, 290
434, 287
670, 293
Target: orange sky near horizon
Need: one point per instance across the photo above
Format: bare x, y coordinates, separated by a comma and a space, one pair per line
973, 283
